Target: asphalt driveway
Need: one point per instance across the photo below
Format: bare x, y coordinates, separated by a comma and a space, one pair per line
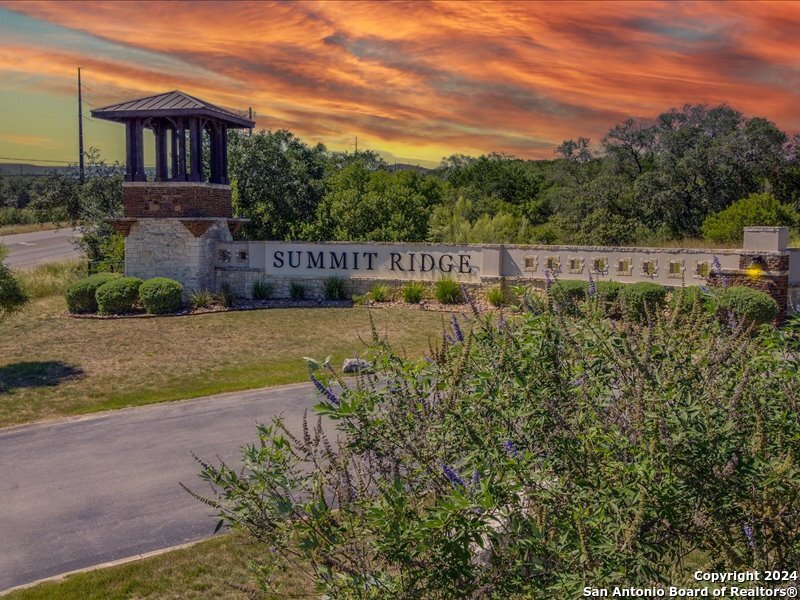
82, 492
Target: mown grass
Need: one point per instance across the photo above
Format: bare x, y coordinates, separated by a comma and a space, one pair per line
210, 569
52, 365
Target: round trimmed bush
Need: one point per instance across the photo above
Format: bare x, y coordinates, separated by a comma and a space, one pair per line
609, 290
160, 295
571, 289
684, 299
118, 296
80, 295
749, 304
641, 297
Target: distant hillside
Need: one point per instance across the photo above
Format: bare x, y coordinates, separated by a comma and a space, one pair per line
407, 167
23, 169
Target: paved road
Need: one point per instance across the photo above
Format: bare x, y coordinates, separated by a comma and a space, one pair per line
29, 249
78, 493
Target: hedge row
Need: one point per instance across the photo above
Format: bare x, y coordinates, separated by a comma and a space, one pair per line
113, 294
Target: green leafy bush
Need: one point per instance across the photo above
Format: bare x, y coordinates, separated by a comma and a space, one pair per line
447, 291
262, 289
333, 288
727, 226
297, 291
225, 295
118, 296
496, 296
573, 290
13, 296
81, 296
161, 295
685, 299
609, 290
549, 451
413, 292
381, 293
749, 304
360, 299
201, 299
642, 298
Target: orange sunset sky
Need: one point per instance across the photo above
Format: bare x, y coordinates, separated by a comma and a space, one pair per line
415, 80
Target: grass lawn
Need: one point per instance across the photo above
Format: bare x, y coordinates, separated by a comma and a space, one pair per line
29, 227
205, 570
52, 365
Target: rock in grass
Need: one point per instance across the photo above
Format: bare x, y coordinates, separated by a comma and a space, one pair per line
356, 365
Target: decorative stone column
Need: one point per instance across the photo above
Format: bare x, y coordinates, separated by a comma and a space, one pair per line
763, 264
171, 230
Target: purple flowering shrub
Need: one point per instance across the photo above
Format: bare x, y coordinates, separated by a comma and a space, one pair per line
534, 456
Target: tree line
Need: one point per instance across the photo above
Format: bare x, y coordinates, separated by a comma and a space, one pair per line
692, 172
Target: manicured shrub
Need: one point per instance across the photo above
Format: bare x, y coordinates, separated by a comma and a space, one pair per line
333, 288
81, 296
201, 299
118, 296
297, 291
573, 290
749, 304
225, 295
262, 290
496, 296
381, 293
447, 291
413, 292
686, 298
609, 290
639, 298
160, 295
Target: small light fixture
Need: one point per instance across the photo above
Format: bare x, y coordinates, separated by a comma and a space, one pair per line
756, 267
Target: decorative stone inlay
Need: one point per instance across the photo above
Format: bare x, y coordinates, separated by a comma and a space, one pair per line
197, 227
122, 226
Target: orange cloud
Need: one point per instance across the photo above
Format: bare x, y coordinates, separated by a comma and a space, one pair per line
435, 77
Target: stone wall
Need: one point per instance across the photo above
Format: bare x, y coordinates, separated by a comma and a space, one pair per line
171, 248
362, 265
152, 199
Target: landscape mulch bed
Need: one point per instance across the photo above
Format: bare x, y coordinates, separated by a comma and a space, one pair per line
267, 304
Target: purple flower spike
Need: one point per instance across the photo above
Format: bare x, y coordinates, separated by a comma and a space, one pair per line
325, 391
510, 448
457, 334
718, 269
547, 279
475, 480
453, 477
592, 286
749, 534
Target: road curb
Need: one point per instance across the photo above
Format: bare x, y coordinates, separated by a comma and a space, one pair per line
105, 565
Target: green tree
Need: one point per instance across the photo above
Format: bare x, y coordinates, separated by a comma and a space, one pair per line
376, 205
12, 296
727, 226
277, 181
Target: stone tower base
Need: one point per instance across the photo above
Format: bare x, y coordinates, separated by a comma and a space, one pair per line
181, 249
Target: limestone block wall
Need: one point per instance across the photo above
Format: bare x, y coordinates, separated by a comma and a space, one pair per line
180, 249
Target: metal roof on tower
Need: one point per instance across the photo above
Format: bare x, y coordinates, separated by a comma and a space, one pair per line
170, 104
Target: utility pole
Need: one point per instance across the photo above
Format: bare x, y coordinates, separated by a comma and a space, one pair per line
80, 124
250, 116
356, 144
